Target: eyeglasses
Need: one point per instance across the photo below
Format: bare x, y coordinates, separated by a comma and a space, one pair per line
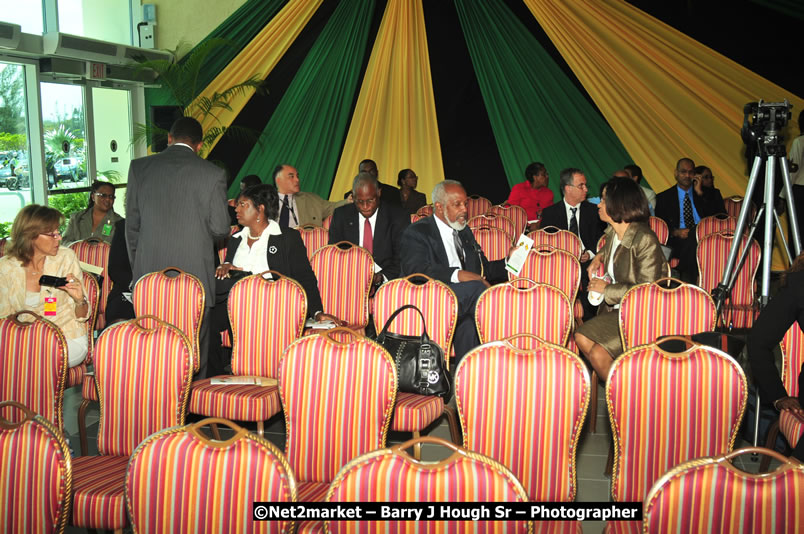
104, 195
53, 235
580, 186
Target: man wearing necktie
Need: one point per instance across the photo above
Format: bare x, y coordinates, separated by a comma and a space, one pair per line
296, 207
443, 247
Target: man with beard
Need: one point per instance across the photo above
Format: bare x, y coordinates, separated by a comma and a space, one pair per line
444, 248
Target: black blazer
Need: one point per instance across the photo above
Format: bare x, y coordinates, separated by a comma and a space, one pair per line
667, 208
415, 201
424, 252
289, 258
391, 222
590, 227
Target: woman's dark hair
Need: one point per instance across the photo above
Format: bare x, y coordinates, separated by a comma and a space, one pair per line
96, 185
263, 195
533, 169
402, 175
32, 221
250, 181
625, 201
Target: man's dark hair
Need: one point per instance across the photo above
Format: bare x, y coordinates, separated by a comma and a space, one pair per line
565, 178
366, 161
187, 129
263, 195
625, 201
276, 172
532, 170
700, 169
682, 160
634, 171
250, 181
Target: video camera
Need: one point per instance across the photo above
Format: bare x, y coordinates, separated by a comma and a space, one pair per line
768, 120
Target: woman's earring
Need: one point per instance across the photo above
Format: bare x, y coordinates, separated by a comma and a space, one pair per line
258, 219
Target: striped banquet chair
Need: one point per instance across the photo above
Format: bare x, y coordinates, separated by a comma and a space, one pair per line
35, 473
523, 402
34, 355
391, 475
494, 243
517, 214
143, 369
439, 305
414, 218
491, 220
792, 426
528, 308
96, 252
734, 204
667, 408
326, 222
741, 307
314, 237
75, 375
345, 272
713, 495
559, 268
714, 224
425, 211
557, 238
216, 495
260, 336
476, 205
659, 228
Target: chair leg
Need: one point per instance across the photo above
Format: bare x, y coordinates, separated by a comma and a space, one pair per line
773, 433
593, 404
454, 426
82, 426
215, 433
260, 428
417, 449
609, 461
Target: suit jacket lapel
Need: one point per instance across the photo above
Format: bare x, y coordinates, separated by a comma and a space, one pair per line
437, 243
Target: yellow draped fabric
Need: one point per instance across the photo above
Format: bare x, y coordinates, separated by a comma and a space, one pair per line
259, 57
394, 122
665, 95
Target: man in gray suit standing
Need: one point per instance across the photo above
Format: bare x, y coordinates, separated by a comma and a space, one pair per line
175, 210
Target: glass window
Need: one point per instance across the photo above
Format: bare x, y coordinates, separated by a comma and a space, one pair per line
111, 118
27, 14
15, 176
107, 20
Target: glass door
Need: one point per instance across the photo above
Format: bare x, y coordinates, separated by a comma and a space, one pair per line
112, 127
15, 170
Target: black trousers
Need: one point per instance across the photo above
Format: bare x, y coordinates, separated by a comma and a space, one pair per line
466, 337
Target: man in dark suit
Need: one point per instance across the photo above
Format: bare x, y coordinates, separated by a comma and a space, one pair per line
390, 194
682, 207
374, 226
175, 210
444, 248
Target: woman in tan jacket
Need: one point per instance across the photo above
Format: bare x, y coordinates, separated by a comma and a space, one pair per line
632, 255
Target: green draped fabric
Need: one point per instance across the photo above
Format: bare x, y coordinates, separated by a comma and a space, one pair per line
536, 112
239, 29
791, 8
308, 126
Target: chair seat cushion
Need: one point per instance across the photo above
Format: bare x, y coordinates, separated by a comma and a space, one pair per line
75, 375
740, 316
98, 492
623, 527
577, 310
792, 427
311, 492
414, 413
88, 389
239, 403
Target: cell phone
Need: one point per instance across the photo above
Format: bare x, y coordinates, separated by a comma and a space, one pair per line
52, 281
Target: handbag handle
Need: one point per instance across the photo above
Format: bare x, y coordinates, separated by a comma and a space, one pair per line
424, 337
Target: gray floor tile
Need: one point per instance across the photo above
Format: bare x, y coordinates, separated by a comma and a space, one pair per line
593, 491
591, 466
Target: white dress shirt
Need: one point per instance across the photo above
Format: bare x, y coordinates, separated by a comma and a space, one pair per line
361, 226
584, 246
446, 232
254, 258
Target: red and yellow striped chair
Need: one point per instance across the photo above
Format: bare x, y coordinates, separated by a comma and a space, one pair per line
528, 308
517, 214
260, 336
712, 495
345, 272
216, 493
523, 402
75, 375
34, 355
741, 307
659, 228
391, 475
667, 408
791, 425
345, 414
439, 305
425, 211
491, 220
35, 473
476, 205
414, 218
143, 369
327, 222
494, 243
714, 224
96, 252
557, 238
734, 204
314, 237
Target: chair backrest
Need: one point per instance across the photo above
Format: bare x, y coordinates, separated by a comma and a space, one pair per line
659, 228
261, 333
557, 267
96, 252
667, 408
163, 495
494, 242
143, 370
527, 308
425, 211
713, 495
34, 355
502, 386
713, 254
92, 292
734, 204
347, 410
792, 358
35, 473
492, 220
713, 224
314, 237
391, 475
435, 299
177, 300
517, 214
344, 280
327, 222
560, 239
414, 218
680, 311
476, 205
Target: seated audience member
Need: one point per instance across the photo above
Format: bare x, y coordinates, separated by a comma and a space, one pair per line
262, 245
410, 199
390, 194
786, 308
444, 248
34, 251
375, 226
632, 255
247, 181
682, 207
533, 194
118, 307
703, 174
296, 207
98, 219
635, 173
